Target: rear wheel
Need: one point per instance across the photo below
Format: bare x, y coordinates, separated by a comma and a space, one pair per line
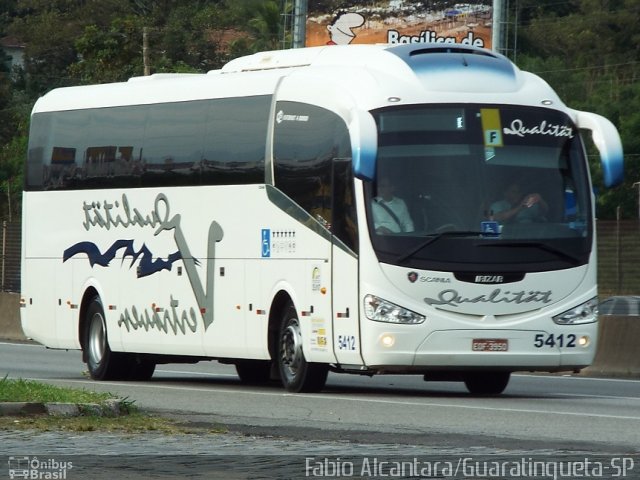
103, 364
487, 383
296, 373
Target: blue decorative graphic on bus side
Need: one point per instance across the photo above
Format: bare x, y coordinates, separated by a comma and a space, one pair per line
612, 162
364, 164
613, 168
147, 267
266, 243
364, 145
607, 140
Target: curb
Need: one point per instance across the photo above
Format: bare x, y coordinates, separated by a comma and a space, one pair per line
111, 408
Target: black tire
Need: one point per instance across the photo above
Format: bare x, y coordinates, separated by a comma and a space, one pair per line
487, 383
297, 375
103, 364
139, 367
254, 372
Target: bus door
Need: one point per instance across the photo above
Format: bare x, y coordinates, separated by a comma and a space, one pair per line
344, 266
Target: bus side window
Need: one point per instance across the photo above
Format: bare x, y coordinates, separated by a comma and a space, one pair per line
344, 210
306, 141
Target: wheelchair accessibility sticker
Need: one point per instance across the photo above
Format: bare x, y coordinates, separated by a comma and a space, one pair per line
266, 242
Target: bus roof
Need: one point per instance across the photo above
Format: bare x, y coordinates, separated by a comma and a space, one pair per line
370, 74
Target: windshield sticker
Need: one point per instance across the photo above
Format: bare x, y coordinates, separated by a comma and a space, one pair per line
489, 153
490, 228
491, 127
519, 129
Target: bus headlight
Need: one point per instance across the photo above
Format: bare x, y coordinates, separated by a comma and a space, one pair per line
585, 313
379, 310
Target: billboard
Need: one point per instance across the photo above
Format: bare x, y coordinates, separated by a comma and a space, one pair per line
398, 22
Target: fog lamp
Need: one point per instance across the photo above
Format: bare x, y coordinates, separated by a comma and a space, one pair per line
387, 340
584, 341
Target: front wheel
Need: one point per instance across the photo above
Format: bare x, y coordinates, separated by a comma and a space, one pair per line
296, 373
487, 383
103, 364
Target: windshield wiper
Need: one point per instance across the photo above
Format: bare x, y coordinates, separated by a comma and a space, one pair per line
539, 245
435, 237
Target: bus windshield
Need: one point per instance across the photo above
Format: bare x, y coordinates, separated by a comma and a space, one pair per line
479, 188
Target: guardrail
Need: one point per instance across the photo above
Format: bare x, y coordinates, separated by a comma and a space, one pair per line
618, 353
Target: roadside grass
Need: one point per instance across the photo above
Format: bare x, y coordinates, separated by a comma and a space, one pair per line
130, 418
21, 390
134, 423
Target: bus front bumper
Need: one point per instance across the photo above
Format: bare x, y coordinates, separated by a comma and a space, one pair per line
569, 348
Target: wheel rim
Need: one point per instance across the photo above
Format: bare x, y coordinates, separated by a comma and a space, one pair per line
97, 339
291, 348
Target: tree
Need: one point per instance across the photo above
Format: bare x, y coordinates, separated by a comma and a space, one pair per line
6, 130
108, 55
11, 163
183, 39
265, 24
48, 34
588, 50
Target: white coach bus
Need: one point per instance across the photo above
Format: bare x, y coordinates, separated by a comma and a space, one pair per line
366, 209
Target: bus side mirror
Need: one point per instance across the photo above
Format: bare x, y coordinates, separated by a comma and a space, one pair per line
607, 140
364, 144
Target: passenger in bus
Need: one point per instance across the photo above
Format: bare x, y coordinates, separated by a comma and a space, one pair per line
517, 207
390, 213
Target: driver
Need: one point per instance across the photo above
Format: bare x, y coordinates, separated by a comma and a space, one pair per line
516, 207
390, 213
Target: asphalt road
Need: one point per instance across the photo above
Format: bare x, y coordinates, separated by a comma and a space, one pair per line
536, 412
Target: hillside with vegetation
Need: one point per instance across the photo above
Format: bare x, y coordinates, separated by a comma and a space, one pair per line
588, 50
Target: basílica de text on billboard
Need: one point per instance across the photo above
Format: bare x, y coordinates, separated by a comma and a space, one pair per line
399, 22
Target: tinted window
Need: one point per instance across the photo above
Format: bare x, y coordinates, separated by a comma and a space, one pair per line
488, 187
307, 140
186, 143
230, 158
172, 147
113, 148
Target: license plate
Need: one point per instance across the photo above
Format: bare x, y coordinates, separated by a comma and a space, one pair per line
490, 345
